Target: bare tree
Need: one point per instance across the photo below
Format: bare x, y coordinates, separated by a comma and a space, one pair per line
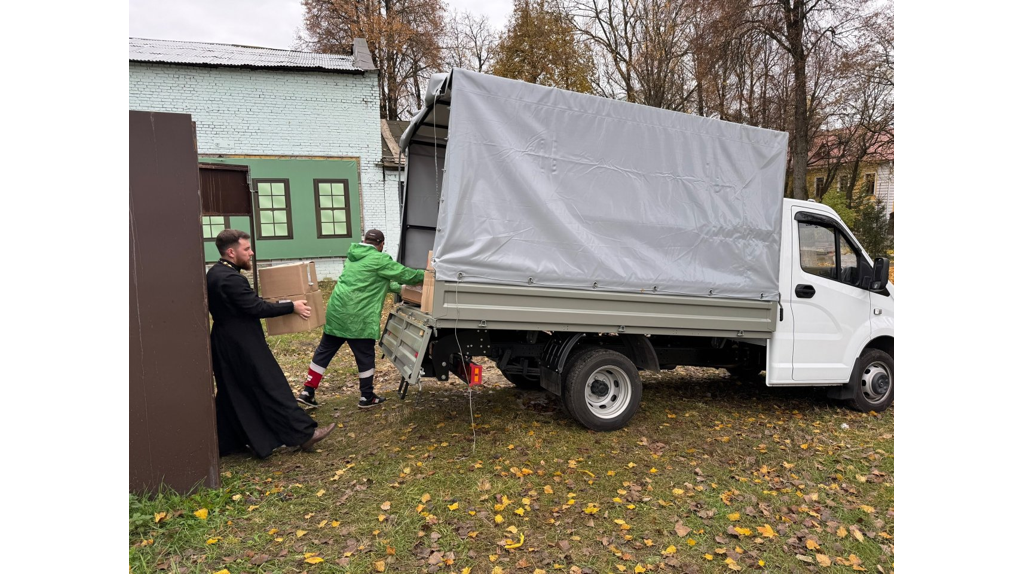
861, 124
800, 27
642, 45
469, 42
402, 35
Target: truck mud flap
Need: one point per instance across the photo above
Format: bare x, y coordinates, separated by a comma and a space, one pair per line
404, 342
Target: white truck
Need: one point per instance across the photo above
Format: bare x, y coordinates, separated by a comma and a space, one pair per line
578, 240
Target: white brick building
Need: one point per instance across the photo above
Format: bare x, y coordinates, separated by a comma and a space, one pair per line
306, 124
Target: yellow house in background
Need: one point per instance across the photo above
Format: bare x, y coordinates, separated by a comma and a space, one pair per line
835, 156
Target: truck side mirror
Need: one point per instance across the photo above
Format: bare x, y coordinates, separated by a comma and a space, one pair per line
881, 274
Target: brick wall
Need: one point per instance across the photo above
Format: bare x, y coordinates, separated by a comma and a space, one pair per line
270, 112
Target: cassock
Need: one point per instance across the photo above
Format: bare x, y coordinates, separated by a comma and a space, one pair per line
255, 404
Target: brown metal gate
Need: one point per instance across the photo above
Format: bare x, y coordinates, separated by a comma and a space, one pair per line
172, 437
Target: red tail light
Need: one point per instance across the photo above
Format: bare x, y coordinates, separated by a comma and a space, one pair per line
470, 372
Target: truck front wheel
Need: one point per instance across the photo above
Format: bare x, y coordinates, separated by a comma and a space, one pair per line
602, 390
872, 381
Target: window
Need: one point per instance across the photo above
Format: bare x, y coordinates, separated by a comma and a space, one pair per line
212, 225
818, 250
827, 252
274, 210
334, 215
819, 186
844, 183
869, 183
849, 270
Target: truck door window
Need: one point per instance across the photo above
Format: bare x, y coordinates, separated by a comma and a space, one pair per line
818, 250
849, 263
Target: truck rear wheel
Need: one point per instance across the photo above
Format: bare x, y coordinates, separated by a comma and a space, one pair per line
602, 390
872, 381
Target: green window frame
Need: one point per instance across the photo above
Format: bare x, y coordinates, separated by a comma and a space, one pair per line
212, 225
333, 208
274, 209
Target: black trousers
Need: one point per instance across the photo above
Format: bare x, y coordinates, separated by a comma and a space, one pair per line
363, 349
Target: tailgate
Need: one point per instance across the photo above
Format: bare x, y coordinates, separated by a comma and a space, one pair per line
404, 341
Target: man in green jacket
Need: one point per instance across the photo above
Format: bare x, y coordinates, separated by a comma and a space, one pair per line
353, 314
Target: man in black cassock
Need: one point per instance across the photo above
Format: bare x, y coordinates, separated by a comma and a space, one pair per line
255, 406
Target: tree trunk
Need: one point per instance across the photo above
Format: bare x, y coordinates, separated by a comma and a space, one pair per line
795, 33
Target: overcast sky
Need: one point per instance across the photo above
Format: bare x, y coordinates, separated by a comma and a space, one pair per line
266, 23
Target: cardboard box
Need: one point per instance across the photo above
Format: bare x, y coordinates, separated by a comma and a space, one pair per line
412, 294
427, 304
292, 323
284, 280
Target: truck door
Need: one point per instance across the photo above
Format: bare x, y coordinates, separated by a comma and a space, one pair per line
831, 313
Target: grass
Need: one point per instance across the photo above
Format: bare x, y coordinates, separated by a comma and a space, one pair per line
712, 475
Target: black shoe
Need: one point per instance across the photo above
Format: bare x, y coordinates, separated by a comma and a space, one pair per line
369, 402
307, 399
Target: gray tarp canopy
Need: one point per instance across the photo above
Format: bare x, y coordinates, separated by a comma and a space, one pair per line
535, 185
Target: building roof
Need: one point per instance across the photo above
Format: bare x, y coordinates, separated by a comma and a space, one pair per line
230, 55
390, 133
830, 147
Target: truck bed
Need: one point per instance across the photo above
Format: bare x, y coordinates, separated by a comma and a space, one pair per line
515, 307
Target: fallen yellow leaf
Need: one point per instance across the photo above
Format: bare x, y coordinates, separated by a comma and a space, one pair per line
548, 490
386, 505
314, 560
320, 492
841, 532
201, 514
157, 517
498, 519
766, 531
823, 559
522, 539
381, 517
223, 571
425, 498
708, 557
744, 531
868, 509
467, 570
213, 540
378, 566
734, 516
669, 551
453, 506
300, 533
236, 497
639, 569
812, 545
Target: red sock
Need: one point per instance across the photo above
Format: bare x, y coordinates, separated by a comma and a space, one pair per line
314, 375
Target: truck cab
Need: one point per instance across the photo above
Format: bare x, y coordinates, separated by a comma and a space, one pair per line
840, 306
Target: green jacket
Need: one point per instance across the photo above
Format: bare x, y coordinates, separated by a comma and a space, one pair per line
354, 309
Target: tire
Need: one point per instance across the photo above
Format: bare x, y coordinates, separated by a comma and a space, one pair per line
872, 381
602, 390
